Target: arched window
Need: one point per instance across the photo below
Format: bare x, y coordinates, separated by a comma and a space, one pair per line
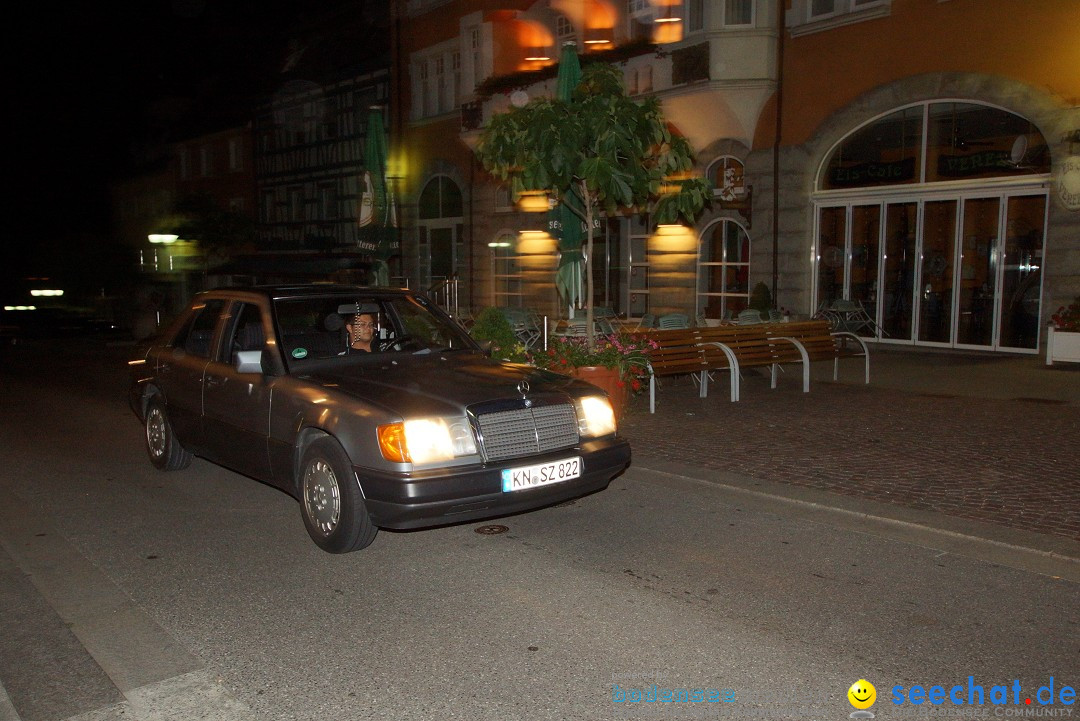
727, 177
964, 141
441, 198
723, 270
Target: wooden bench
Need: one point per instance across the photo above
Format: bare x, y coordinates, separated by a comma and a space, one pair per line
819, 341
677, 352
699, 351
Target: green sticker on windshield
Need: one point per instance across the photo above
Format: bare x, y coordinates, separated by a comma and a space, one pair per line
299, 353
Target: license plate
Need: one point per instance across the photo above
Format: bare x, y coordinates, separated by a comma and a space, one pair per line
518, 479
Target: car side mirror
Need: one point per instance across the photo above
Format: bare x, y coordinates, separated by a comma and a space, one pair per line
249, 361
485, 347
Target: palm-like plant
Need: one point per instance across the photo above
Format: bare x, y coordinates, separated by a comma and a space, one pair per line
615, 152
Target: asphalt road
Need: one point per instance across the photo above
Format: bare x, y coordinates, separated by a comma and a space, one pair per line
135, 594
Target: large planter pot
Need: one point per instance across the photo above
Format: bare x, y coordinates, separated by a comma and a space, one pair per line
1062, 346
607, 380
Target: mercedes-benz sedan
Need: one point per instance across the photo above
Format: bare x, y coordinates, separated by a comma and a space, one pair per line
372, 407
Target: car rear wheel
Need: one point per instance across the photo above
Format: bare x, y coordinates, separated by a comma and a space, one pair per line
333, 508
164, 449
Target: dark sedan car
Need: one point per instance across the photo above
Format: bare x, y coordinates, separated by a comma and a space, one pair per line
423, 429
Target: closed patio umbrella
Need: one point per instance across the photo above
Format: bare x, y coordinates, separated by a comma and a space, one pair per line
377, 215
566, 226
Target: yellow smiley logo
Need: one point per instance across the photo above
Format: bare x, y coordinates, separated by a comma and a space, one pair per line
862, 694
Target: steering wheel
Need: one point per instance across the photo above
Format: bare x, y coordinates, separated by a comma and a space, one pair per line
390, 343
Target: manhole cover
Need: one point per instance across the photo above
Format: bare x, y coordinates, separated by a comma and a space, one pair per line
493, 529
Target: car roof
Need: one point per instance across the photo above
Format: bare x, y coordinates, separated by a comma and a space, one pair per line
305, 290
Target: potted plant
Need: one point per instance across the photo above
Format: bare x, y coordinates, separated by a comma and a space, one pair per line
492, 328
1063, 335
616, 363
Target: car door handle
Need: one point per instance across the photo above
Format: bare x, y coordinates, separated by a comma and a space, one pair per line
164, 367
215, 380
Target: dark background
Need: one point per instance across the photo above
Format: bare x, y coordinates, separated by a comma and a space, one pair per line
98, 88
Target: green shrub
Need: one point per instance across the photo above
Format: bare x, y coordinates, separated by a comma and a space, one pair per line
492, 325
761, 298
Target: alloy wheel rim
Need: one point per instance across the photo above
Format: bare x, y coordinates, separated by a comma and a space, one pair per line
155, 432
322, 496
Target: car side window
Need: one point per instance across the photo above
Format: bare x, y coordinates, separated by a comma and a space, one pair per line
247, 331
195, 337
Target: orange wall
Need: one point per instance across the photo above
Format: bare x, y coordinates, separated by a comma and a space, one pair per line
1036, 42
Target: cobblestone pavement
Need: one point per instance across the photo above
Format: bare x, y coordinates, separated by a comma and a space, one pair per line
1010, 462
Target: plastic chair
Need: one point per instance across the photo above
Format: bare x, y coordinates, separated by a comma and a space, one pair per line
749, 317
648, 320
673, 321
850, 316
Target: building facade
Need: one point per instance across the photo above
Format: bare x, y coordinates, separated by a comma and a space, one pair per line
926, 152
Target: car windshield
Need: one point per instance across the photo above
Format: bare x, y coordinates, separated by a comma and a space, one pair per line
332, 326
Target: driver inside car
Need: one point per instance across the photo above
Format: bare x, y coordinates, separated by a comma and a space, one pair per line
361, 330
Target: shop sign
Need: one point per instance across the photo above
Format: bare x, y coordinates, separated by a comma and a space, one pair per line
899, 171
1068, 182
959, 166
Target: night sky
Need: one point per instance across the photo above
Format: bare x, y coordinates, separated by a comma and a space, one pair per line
95, 84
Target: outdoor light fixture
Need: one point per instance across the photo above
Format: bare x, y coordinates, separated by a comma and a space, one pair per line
46, 293
535, 242
538, 52
534, 201
162, 238
599, 36
20, 307
669, 14
674, 237
499, 244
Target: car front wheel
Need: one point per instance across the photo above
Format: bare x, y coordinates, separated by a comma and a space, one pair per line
333, 509
164, 449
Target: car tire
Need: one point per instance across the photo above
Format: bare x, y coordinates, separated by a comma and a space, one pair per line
330, 500
162, 446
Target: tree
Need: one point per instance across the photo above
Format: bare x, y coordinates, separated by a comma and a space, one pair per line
200, 217
614, 152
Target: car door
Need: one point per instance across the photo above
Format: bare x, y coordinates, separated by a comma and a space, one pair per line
236, 406
179, 371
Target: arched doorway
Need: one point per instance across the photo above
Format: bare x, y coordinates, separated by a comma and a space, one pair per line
440, 250
933, 216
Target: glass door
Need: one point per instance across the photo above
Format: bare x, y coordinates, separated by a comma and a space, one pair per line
898, 270
832, 242
1021, 276
935, 299
978, 272
863, 252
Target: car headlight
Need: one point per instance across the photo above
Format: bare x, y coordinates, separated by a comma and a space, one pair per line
595, 416
424, 440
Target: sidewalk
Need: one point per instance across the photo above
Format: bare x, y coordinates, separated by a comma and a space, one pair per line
984, 444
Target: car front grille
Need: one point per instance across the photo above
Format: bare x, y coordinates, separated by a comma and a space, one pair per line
527, 431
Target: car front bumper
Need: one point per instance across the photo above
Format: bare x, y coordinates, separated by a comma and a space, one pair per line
403, 501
